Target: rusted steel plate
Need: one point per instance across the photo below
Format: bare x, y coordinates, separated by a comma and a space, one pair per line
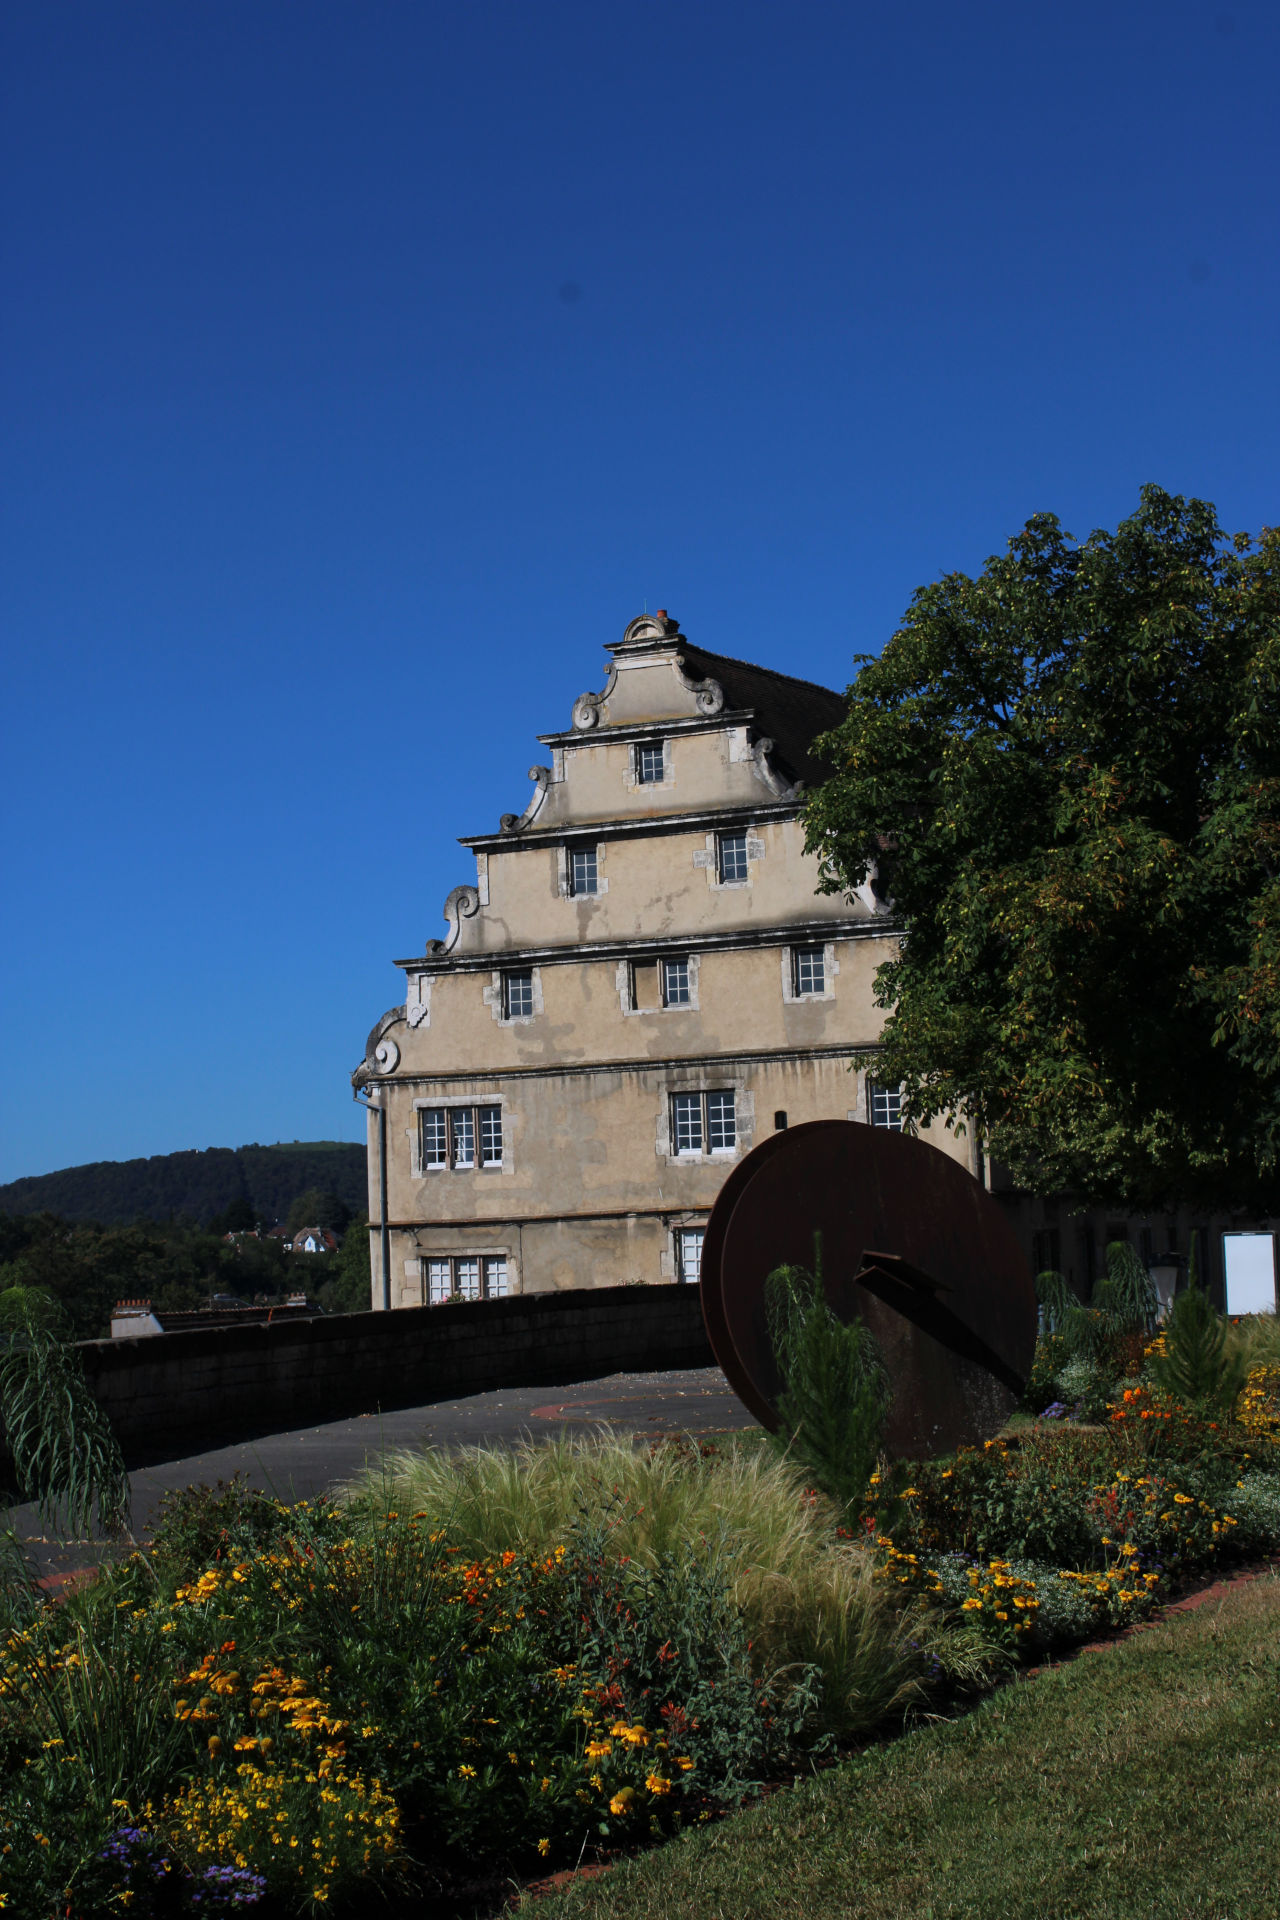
911, 1243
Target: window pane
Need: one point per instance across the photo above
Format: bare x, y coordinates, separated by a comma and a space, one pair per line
491, 1136
810, 972
439, 1283
691, 1255
733, 856
675, 983
463, 1122
582, 869
518, 988
495, 1279
721, 1130
886, 1108
648, 764
686, 1113
435, 1150
467, 1273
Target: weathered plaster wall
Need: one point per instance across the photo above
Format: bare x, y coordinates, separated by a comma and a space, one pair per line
177, 1392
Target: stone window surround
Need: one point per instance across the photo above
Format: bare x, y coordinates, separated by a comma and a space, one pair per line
830, 968
696, 1079
563, 851
414, 1133
631, 778
494, 997
624, 983
708, 857
415, 1269
669, 1258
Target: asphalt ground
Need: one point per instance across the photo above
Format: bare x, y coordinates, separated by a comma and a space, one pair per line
302, 1463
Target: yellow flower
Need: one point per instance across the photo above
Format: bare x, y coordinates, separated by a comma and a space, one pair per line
466, 1773
623, 1800
544, 1848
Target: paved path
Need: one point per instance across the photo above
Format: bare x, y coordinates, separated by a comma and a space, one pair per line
300, 1464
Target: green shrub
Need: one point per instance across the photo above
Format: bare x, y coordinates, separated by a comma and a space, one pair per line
835, 1387
1197, 1368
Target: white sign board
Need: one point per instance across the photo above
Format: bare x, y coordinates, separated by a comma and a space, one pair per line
1251, 1272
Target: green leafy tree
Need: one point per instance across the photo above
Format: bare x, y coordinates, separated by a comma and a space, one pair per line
348, 1286
1064, 774
318, 1207
835, 1387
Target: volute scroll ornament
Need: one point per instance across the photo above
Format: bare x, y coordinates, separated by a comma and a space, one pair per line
586, 711
462, 903
387, 1055
516, 822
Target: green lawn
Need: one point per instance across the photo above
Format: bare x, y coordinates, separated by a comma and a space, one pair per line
1139, 1782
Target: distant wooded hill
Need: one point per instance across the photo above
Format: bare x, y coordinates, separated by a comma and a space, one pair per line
195, 1186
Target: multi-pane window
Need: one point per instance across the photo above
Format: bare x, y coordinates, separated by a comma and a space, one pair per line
675, 983
517, 994
649, 764
449, 1136
722, 1131
690, 1254
462, 1136
466, 1276
703, 1122
886, 1107
435, 1138
584, 873
731, 856
810, 970
491, 1136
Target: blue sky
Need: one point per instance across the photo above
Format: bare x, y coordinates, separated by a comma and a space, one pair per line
366, 367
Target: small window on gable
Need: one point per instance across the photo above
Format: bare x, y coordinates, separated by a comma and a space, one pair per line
731, 857
584, 872
517, 994
650, 764
809, 970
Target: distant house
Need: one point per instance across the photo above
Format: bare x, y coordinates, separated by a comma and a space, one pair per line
313, 1240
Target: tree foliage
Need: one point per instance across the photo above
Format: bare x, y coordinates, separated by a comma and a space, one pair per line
1065, 776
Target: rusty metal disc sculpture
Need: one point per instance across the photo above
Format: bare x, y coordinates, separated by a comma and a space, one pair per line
911, 1243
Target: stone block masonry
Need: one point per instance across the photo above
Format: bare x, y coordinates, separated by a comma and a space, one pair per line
177, 1393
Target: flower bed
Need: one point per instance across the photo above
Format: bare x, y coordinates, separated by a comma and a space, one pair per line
474, 1671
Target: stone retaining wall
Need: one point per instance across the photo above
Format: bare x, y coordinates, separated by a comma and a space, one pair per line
178, 1393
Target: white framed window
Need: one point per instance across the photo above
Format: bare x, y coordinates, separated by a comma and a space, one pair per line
490, 1136
517, 994
435, 1138
808, 970
689, 1254
650, 764
449, 1137
584, 870
704, 1122
731, 858
462, 1136
675, 983
466, 1276
886, 1106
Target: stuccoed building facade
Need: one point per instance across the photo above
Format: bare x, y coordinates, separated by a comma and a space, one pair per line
640, 984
